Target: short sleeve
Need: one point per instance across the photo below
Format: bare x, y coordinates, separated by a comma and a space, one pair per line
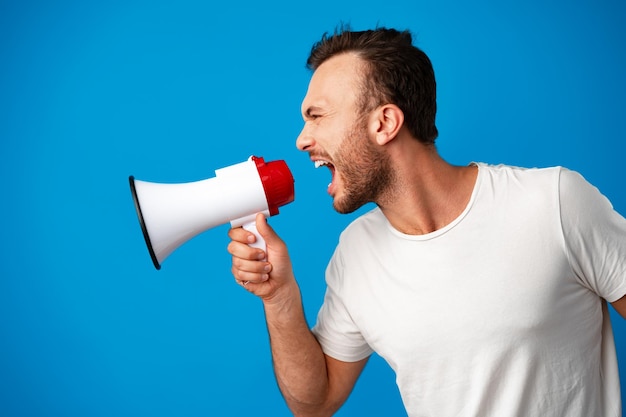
595, 236
335, 330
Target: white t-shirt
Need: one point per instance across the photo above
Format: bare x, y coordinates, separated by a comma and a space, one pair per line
500, 313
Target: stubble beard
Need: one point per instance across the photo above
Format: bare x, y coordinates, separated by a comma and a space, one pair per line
365, 170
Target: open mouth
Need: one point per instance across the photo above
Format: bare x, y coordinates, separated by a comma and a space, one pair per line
320, 163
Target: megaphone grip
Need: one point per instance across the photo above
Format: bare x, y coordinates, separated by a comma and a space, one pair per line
260, 242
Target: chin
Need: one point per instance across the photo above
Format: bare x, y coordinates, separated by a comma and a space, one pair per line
346, 207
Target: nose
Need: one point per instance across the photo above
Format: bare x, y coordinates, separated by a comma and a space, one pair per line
304, 141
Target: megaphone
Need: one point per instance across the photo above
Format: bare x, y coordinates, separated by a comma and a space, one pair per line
171, 214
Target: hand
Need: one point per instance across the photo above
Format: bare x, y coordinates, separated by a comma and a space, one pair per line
260, 277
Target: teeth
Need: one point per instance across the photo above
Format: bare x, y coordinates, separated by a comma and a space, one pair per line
319, 163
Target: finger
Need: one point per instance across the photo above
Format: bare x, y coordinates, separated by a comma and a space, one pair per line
251, 266
243, 251
239, 234
250, 276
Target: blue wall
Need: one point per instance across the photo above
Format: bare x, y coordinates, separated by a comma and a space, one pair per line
91, 92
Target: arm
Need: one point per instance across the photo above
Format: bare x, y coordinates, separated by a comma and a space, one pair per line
595, 236
312, 383
620, 306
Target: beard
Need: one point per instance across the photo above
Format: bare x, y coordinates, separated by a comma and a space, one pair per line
365, 170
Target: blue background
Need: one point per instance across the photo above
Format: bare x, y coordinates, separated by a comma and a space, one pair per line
92, 92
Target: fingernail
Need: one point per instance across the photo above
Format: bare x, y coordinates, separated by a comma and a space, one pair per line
265, 277
260, 256
266, 268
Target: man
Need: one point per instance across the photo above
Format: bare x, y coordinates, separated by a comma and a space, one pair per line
484, 287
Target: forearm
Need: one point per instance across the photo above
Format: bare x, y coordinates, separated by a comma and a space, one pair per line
299, 362
312, 384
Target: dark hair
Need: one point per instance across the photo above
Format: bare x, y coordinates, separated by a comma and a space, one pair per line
396, 72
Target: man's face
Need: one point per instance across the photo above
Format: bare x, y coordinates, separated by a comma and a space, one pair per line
336, 134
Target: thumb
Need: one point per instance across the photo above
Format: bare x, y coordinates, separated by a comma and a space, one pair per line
265, 230
275, 250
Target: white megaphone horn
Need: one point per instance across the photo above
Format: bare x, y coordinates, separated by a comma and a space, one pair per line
171, 214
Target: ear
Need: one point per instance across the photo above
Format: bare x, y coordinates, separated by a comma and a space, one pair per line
386, 123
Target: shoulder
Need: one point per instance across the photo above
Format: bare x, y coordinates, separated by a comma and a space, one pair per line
558, 187
510, 172
579, 198
520, 186
572, 181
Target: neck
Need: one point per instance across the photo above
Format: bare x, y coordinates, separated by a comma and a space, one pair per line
428, 193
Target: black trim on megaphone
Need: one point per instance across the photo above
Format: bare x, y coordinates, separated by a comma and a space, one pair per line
146, 236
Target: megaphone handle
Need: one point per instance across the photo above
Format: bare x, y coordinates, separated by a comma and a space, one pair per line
260, 242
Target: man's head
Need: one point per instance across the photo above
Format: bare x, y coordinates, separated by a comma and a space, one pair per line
394, 72
336, 134
367, 90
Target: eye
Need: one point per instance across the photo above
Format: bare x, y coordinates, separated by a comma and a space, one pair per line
312, 113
